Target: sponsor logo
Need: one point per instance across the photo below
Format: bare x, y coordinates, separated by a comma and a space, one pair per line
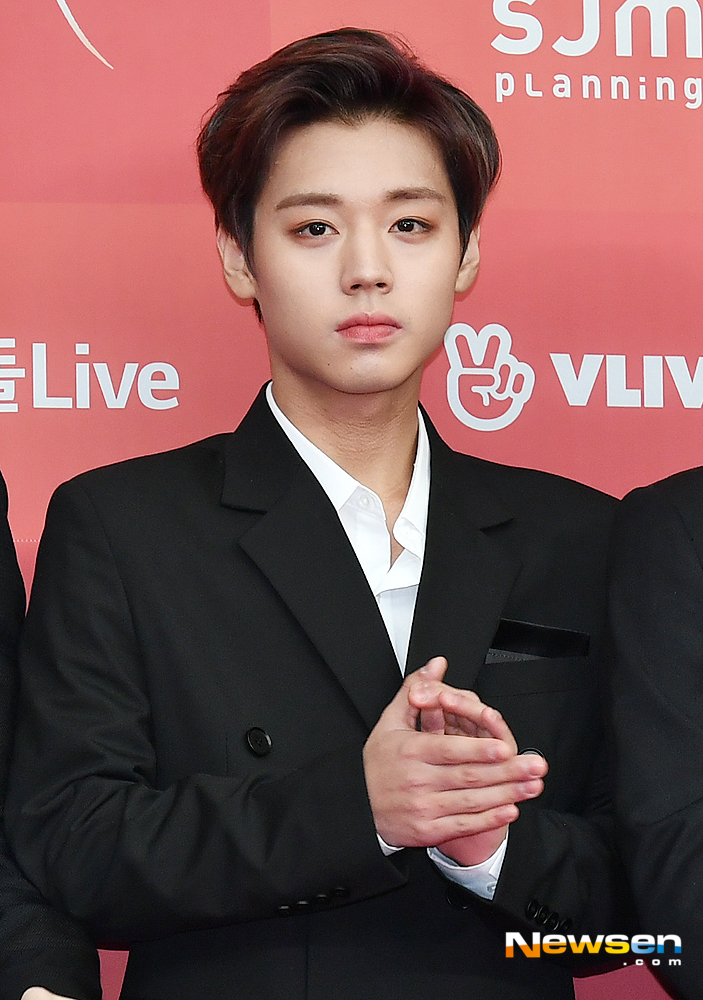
577, 379
529, 36
77, 30
608, 944
487, 387
93, 381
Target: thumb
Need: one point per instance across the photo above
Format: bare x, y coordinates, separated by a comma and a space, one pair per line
401, 713
432, 718
434, 669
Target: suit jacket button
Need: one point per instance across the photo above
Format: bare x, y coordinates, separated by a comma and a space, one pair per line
565, 926
302, 905
532, 909
284, 911
552, 921
322, 898
341, 892
258, 741
457, 897
542, 915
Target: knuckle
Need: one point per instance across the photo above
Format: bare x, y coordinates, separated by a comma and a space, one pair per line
471, 777
421, 830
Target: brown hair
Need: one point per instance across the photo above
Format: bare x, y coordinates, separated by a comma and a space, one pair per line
346, 75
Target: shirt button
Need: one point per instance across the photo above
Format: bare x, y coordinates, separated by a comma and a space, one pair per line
364, 501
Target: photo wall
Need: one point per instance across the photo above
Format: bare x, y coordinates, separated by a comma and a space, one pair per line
578, 351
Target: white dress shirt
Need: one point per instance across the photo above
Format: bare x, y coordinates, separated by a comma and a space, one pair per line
394, 585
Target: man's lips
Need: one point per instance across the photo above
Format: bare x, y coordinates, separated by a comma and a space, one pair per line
369, 327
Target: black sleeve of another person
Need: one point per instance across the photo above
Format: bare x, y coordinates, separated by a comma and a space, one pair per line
656, 627
39, 946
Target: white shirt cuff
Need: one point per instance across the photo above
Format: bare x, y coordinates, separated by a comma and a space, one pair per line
386, 848
480, 879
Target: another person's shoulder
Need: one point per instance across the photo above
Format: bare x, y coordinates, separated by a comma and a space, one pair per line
683, 490
533, 493
675, 500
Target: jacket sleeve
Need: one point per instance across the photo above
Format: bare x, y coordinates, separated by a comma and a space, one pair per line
656, 624
90, 820
39, 946
562, 871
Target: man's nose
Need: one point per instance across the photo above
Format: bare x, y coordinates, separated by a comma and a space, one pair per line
366, 264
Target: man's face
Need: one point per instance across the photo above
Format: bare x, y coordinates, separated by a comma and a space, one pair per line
356, 257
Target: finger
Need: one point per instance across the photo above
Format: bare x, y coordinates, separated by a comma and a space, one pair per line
423, 689
432, 694
403, 711
432, 721
471, 716
434, 669
478, 800
469, 776
399, 713
449, 828
424, 681
458, 750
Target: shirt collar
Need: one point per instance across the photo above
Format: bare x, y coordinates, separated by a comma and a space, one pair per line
339, 485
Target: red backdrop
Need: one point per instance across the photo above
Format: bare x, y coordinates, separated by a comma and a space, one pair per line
118, 337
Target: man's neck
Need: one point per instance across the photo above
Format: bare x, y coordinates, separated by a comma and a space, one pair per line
371, 436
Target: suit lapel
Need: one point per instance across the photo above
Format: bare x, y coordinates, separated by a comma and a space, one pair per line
299, 544
467, 573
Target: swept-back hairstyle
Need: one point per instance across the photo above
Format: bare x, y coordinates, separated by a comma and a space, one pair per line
347, 75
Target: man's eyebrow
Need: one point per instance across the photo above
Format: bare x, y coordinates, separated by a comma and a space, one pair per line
415, 194
323, 199
312, 198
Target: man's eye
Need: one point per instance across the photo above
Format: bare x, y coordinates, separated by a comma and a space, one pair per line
410, 226
315, 229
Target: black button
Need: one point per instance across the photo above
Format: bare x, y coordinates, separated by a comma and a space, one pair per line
552, 921
532, 909
258, 741
542, 915
322, 898
302, 905
341, 892
284, 911
457, 897
565, 926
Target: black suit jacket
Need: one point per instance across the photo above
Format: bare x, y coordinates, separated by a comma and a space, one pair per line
657, 634
38, 945
203, 663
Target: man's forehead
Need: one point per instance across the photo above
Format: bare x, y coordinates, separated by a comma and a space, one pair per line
325, 163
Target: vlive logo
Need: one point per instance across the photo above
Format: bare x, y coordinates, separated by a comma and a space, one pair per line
487, 386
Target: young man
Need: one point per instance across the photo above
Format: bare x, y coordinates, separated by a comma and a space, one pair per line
657, 632
219, 760
39, 947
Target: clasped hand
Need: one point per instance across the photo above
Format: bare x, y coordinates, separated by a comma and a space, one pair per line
442, 770
39, 993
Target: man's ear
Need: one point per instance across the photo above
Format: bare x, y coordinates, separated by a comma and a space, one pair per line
237, 272
469, 265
